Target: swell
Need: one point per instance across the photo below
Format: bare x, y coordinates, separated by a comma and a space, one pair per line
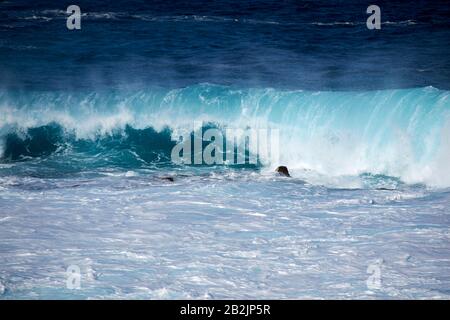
49, 15
399, 133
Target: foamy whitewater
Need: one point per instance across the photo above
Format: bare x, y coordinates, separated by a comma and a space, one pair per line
80, 185
88, 120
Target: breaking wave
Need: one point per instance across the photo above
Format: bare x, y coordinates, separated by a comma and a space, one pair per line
399, 133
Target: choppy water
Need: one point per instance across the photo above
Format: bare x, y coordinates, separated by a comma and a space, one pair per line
88, 120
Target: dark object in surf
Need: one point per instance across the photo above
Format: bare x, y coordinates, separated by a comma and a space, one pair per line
171, 179
283, 171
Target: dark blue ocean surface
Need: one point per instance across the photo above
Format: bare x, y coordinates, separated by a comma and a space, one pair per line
315, 45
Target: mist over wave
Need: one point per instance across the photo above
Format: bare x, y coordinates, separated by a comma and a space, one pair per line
399, 133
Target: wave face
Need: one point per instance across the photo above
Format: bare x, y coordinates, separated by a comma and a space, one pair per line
399, 133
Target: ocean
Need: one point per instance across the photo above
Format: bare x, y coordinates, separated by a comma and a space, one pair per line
92, 205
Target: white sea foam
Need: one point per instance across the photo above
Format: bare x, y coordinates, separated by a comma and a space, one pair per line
237, 237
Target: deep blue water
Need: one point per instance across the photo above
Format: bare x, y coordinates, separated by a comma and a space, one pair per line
88, 119
310, 45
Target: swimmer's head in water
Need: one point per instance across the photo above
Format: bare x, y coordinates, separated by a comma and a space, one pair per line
283, 171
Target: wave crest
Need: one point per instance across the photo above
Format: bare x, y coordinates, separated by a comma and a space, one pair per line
400, 133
